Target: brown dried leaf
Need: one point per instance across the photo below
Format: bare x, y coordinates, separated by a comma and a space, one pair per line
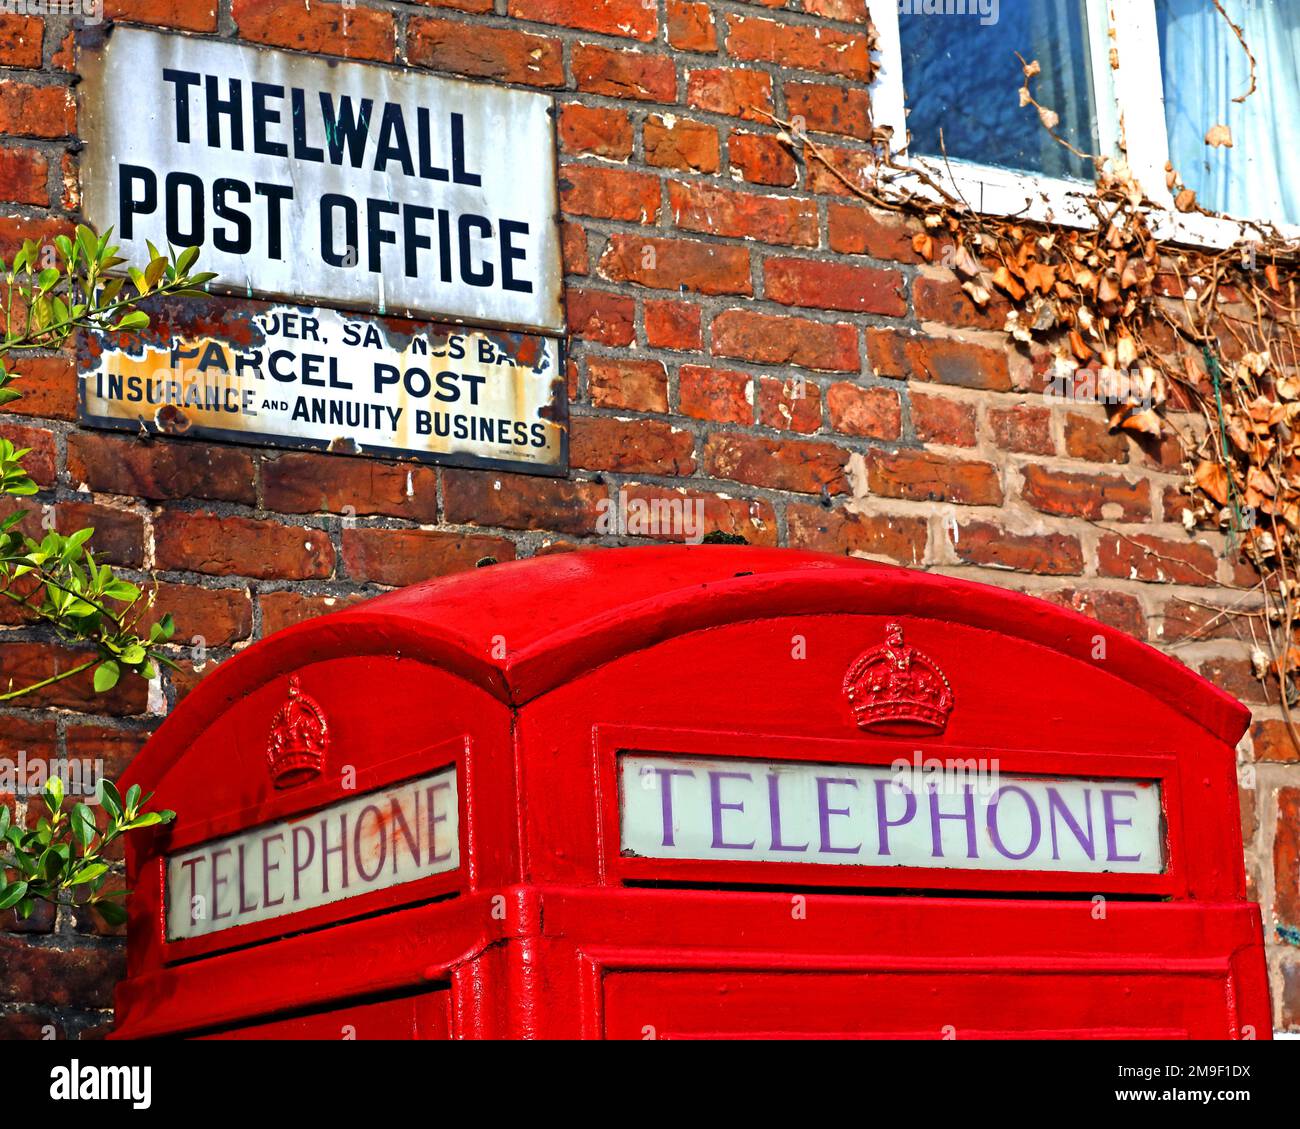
1212, 479
1220, 136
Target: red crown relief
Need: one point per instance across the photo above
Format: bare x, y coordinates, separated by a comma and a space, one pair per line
299, 739
894, 684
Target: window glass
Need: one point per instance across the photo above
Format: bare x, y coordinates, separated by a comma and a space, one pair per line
962, 77
1205, 69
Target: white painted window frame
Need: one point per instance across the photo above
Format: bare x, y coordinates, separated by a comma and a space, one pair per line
1129, 101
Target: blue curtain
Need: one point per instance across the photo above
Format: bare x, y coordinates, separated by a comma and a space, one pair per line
1204, 69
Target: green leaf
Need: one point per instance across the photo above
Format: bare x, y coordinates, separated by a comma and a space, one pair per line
106, 676
149, 819
110, 797
133, 799
13, 895
136, 319
111, 912
54, 793
83, 825
89, 873
4, 820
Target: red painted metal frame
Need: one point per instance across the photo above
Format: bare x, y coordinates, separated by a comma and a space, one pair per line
302, 803
612, 740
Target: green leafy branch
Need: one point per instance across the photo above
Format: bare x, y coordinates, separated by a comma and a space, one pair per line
61, 860
51, 291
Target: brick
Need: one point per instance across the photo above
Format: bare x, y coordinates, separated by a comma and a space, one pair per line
1090, 438
189, 15
479, 6
938, 360
308, 483
81, 977
733, 91
844, 531
640, 386
240, 546
220, 615
519, 501
624, 74
834, 286
160, 469
676, 264
671, 142
1093, 496
597, 316
849, 11
630, 18
761, 159
21, 41
1273, 743
119, 534
799, 466
1156, 560
27, 110
984, 543
113, 747
829, 109
485, 52
742, 215
352, 31
636, 446
945, 301
14, 229
769, 340
573, 248
1116, 609
398, 557
691, 27
39, 462
284, 609
23, 174
1022, 428
870, 413
714, 394
943, 421
48, 386
790, 405
922, 476
1198, 619
854, 230
800, 46
673, 325
25, 664
656, 507
1236, 676
612, 194
595, 131
1290, 1003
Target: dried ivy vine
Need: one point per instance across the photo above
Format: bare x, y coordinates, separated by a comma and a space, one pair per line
1106, 299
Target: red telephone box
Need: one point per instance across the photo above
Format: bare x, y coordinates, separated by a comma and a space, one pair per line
691, 792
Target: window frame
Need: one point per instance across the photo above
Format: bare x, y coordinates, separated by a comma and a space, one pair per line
1129, 103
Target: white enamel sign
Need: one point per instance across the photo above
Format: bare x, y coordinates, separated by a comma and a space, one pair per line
851, 815
289, 376
326, 181
371, 842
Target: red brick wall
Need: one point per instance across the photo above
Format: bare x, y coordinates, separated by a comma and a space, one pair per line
743, 331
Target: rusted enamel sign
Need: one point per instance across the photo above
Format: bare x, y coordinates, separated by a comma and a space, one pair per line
370, 842
970, 818
291, 376
322, 181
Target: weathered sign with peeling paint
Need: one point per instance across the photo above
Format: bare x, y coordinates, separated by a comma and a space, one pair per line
296, 376
326, 182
